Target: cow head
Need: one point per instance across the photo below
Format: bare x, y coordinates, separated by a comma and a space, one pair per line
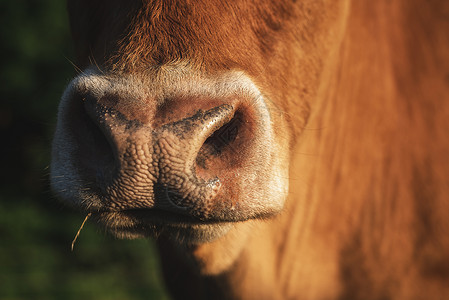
183, 116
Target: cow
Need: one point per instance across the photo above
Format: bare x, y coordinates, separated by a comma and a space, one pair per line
274, 149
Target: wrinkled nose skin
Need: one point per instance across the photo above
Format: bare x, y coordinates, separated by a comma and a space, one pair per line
193, 154
162, 165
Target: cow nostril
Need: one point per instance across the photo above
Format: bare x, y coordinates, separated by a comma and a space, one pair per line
100, 152
219, 143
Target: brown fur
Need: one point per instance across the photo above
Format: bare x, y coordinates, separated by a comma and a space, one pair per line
364, 86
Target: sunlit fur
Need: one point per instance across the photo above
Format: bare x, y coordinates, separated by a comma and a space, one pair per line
363, 88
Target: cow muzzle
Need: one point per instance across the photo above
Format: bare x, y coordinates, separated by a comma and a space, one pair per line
182, 150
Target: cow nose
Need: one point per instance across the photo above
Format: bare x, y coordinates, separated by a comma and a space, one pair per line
170, 166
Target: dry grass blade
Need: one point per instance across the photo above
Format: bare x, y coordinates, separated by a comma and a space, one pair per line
79, 230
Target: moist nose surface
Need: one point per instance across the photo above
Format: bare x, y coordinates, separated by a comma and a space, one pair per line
157, 167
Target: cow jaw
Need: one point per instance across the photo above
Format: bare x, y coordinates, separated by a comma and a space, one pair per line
169, 152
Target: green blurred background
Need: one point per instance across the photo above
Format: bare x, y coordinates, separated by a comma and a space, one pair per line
35, 230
